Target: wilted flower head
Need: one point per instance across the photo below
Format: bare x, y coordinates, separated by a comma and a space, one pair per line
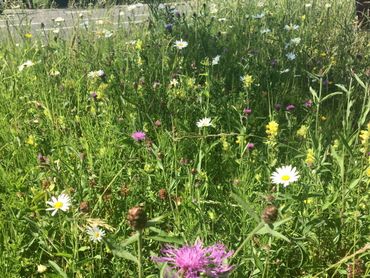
193, 261
138, 136
181, 44
205, 122
308, 103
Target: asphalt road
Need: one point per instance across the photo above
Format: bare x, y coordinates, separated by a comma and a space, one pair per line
38, 22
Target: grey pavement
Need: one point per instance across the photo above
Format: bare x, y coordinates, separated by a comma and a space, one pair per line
36, 22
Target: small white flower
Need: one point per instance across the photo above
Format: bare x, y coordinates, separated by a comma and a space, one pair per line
107, 33
216, 60
291, 27
295, 41
59, 19
285, 175
41, 268
284, 71
327, 6
213, 8
222, 19
54, 73
95, 74
174, 83
96, 234
291, 56
161, 6
99, 22
258, 16
63, 203
56, 31
26, 64
181, 44
308, 5
265, 31
205, 122
260, 4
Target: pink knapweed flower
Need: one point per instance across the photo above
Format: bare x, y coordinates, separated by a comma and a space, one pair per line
194, 261
138, 136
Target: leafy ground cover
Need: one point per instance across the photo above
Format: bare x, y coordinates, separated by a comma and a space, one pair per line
231, 141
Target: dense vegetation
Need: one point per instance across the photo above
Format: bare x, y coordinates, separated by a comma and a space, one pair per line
114, 141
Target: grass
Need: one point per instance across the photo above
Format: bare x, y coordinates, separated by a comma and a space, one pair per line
67, 128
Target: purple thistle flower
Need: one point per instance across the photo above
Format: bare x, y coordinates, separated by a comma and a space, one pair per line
277, 107
308, 103
247, 111
290, 107
191, 261
138, 136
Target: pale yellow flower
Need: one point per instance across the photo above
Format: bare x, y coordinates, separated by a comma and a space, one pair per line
310, 157
272, 129
302, 131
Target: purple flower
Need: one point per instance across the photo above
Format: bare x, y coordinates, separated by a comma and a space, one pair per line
94, 95
138, 136
277, 107
247, 111
290, 107
308, 103
250, 146
191, 261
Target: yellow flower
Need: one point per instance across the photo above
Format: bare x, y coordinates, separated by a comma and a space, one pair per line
31, 140
303, 17
310, 157
139, 45
240, 140
225, 144
247, 80
364, 138
28, 35
368, 172
272, 129
323, 118
302, 131
308, 201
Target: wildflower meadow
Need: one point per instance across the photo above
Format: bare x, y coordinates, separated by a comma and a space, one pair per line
228, 139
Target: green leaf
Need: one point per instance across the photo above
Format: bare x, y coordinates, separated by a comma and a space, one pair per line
65, 255
125, 255
330, 95
246, 206
58, 269
167, 239
267, 230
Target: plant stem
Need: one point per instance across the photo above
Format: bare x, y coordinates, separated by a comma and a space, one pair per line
139, 255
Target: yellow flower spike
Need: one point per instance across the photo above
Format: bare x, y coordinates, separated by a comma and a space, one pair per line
139, 45
247, 81
310, 157
272, 129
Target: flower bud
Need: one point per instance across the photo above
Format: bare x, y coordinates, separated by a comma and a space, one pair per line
137, 218
270, 214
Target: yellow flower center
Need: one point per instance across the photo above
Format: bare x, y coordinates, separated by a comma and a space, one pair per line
58, 205
97, 234
285, 177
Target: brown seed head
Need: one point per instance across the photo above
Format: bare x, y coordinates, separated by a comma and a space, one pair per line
84, 206
162, 194
137, 218
124, 191
355, 269
270, 214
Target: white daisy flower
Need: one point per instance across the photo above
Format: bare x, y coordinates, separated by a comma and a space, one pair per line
96, 234
63, 203
26, 64
216, 60
291, 56
285, 175
205, 122
181, 44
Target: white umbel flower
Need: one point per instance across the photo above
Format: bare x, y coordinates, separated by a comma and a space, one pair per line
95, 74
205, 122
291, 56
181, 44
63, 202
285, 175
96, 234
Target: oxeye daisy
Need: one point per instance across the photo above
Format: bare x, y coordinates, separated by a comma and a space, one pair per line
285, 175
96, 234
181, 44
63, 203
205, 122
